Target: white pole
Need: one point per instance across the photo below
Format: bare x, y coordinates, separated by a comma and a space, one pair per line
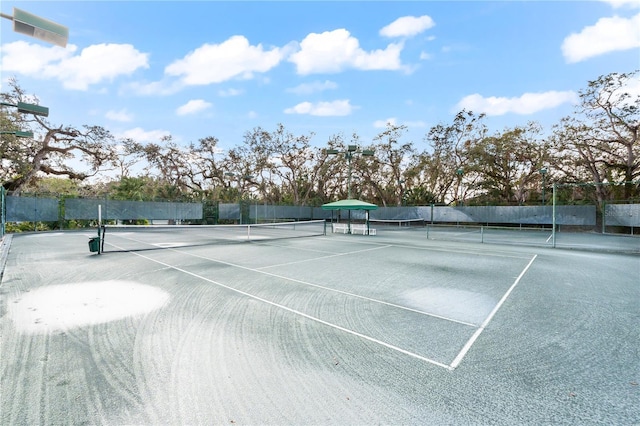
99, 214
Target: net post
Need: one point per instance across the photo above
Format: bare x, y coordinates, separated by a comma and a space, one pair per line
104, 231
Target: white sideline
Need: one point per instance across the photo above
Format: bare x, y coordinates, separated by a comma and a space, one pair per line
294, 311
475, 336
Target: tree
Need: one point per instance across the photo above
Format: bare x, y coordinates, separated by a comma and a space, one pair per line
507, 164
293, 161
52, 150
333, 173
418, 196
170, 164
441, 170
249, 166
385, 176
600, 144
55, 186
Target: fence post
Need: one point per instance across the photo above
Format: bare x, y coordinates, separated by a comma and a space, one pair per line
35, 212
61, 203
2, 212
553, 220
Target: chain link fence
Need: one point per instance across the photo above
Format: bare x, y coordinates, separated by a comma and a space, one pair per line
60, 211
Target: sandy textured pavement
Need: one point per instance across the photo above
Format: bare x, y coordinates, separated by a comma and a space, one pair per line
325, 330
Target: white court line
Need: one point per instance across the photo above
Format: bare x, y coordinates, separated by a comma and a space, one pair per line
346, 293
475, 336
494, 253
550, 236
282, 277
455, 362
294, 311
473, 231
321, 257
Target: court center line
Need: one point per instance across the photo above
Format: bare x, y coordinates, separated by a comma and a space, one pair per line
474, 337
382, 302
294, 311
322, 257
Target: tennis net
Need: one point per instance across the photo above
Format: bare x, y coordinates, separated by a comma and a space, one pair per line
149, 237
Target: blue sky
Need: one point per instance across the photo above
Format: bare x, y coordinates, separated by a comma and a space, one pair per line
191, 70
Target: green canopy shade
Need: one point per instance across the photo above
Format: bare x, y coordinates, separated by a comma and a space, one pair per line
349, 205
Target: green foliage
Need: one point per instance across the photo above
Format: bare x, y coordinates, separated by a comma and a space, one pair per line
462, 162
419, 196
16, 227
54, 185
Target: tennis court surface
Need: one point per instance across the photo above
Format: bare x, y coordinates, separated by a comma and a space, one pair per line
183, 327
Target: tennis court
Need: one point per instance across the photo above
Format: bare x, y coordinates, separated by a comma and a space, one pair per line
183, 327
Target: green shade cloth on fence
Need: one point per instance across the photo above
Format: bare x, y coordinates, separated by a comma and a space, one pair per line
349, 205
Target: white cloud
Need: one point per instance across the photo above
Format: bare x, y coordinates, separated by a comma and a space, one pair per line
325, 109
381, 124
140, 135
98, 63
418, 123
161, 88
633, 88
95, 64
630, 87
528, 103
622, 3
334, 51
226, 93
314, 87
123, 115
31, 59
607, 35
424, 56
193, 106
233, 58
407, 26
393, 121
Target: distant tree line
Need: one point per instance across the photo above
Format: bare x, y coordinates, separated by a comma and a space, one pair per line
462, 162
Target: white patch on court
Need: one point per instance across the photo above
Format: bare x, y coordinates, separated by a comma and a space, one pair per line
45, 234
461, 305
67, 306
170, 245
258, 237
